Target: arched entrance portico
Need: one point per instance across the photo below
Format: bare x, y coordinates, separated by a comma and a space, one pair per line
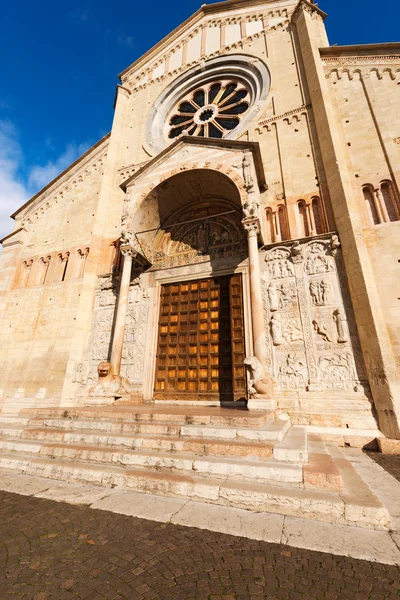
195, 230
198, 261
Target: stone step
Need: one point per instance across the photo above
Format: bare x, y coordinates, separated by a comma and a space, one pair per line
265, 471
314, 504
9, 420
134, 427
169, 415
272, 432
293, 448
209, 447
11, 431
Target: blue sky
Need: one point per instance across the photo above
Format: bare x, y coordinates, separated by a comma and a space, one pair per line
59, 63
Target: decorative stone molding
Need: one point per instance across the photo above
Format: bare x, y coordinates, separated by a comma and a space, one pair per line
311, 9
296, 113
67, 183
145, 78
361, 72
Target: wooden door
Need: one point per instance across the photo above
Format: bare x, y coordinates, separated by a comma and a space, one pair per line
200, 350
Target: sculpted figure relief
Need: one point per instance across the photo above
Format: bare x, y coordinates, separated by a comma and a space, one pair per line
339, 317
260, 383
273, 297
322, 330
110, 384
276, 331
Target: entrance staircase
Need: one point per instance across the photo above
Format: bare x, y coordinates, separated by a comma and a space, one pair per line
239, 458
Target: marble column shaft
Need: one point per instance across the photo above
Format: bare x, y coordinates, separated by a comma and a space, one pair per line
257, 310
122, 308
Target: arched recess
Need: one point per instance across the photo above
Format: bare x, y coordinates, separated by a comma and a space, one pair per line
390, 200
304, 230
192, 214
318, 215
189, 228
283, 222
368, 192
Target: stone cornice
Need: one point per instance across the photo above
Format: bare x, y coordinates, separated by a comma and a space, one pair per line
205, 10
210, 143
65, 177
234, 46
287, 114
361, 51
309, 7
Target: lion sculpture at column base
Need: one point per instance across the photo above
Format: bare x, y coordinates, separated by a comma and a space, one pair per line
261, 385
109, 384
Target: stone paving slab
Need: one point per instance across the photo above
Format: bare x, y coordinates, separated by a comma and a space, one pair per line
57, 551
341, 540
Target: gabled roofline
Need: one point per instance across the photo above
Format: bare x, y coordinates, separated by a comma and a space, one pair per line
74, 164
254, 147
12, 234
385, 48
205, 9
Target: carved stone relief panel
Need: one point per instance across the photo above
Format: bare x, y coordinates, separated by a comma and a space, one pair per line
193, 242
283, 320
102, 326
309, 318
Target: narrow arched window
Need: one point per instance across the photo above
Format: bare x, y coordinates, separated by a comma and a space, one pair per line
270, 226
390, 201
283, 222
304, 228
62, 266
81, 259
26, 271
44, 264
369, 200
318, 215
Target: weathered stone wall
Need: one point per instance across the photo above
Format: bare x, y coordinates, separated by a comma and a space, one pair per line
43, 266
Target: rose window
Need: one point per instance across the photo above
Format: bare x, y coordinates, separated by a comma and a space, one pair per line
210, 111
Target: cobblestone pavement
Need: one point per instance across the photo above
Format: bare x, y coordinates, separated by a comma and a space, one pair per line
389, 462
57, 551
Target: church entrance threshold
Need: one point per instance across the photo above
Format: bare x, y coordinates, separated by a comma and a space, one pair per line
201, 345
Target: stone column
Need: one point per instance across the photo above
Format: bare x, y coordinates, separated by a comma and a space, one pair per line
252, 226
118, 339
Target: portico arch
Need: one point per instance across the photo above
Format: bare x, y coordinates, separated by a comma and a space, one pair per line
197, 221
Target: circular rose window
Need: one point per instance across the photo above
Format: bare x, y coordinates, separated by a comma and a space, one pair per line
210, 111
216, 98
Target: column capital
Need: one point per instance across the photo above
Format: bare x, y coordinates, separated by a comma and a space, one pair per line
252, 226
128, 251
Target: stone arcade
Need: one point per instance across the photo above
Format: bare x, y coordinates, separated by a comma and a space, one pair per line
232, 244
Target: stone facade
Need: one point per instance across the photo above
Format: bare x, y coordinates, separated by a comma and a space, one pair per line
301, 197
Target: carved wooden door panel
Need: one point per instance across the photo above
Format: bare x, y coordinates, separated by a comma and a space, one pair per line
200, 350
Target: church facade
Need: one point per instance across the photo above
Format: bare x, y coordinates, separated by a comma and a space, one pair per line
235, 238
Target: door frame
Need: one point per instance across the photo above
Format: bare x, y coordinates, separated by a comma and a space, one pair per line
182, 275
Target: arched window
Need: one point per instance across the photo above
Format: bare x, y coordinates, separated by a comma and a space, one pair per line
283, 222
81, 262
270, 226
26, 271
304, 228
318, 215
62, 266
44, 264
116, 264
368, 192
390, 201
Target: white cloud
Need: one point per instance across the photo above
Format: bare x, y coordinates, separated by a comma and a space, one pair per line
125, 40
13, 192
41, 175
